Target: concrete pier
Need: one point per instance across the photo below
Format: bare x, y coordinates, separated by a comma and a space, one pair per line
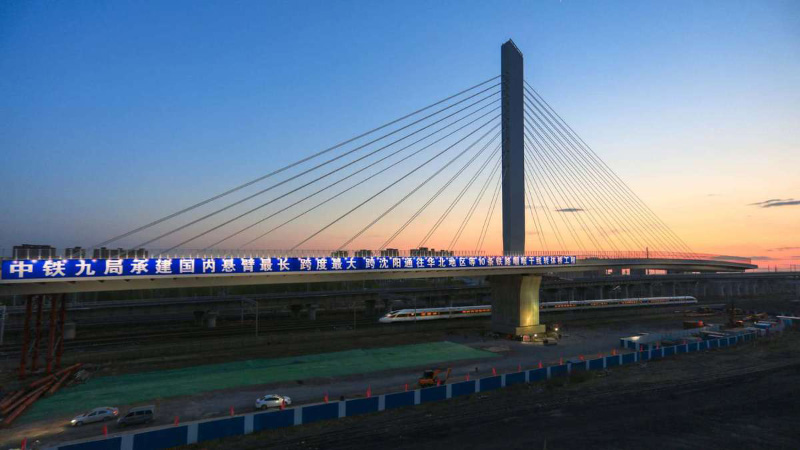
515, 304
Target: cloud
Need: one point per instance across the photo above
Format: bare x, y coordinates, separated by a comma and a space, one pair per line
569, 210
733, 258
776, 202
765, 258
781, 249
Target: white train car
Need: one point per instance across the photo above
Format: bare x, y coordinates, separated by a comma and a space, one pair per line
461, 312
456, 312
617, 303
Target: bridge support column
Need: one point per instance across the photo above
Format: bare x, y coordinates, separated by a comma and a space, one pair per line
515, 304
312, 311
627, 291
572, 294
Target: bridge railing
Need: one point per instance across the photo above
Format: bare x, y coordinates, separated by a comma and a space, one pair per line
643, 255
103, 253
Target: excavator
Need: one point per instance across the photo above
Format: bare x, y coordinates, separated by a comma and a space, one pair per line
431, 377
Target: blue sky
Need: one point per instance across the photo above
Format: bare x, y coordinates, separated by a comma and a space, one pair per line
115, 113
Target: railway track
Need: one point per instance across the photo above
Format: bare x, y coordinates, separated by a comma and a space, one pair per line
414, 421
142, 336
10, 350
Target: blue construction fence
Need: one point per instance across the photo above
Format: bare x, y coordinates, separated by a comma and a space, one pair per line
205, 430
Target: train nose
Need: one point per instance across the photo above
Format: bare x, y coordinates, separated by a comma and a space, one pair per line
384, 320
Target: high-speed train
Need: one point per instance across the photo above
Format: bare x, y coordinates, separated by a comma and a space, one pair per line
459, 312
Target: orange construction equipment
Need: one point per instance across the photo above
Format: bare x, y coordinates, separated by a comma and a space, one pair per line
431, 377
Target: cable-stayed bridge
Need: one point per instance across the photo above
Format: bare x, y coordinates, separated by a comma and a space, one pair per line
490, 180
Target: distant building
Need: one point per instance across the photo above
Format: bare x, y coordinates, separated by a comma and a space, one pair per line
75, 253
34, 251
363, 253
390, 252
340, 254
425, 251
119, 253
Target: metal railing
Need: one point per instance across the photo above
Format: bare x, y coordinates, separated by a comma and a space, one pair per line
388, 252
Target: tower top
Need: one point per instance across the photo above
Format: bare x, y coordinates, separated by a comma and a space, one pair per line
511, 42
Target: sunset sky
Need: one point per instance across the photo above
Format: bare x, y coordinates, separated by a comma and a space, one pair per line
115, 114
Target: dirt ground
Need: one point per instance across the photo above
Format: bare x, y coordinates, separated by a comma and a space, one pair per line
742, 397
583, 336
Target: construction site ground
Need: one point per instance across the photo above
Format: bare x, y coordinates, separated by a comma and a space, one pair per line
742, 397
157, 368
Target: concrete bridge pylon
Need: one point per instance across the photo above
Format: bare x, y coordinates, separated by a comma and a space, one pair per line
515, 298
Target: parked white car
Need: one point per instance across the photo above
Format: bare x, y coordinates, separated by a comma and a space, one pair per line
272, 401
96, 415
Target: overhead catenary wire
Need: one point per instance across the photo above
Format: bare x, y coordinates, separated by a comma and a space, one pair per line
288, 166
372, 176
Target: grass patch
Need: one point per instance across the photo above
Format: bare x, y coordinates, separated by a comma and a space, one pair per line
134, 388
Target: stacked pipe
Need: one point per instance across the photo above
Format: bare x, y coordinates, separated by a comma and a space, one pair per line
14, 404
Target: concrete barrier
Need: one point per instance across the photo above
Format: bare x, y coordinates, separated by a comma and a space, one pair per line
163, 438
490, 383
433, 394
361, 406
514, 378
199, 431
463, 388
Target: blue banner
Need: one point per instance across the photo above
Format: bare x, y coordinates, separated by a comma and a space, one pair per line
150, 267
